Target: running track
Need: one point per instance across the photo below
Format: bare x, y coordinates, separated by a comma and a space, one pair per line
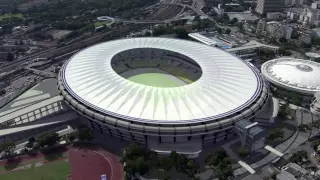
91, 164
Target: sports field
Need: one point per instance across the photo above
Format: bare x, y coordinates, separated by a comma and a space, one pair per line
6, 16
58, 170
153, 77
157, 80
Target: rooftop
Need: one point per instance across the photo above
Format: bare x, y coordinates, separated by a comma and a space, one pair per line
226, 86
295, 74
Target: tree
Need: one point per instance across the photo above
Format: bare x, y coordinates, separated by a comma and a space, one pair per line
214, 158
283, 51
181, 33
316, 41
284, 110
30, 143
48, 139
233, 21
10, 57
139, 159
147, 34
85, 134
223, 170
275, 134
282, 40
2, 92
8, 148
72, 136
193, 168
219, 30
243, 152
299, 156
228, 31
165, 163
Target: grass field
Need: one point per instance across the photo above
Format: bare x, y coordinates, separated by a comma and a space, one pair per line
19, 16
97, 24
57, 170
157, 80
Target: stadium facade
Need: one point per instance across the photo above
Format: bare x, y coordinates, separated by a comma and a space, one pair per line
220, 90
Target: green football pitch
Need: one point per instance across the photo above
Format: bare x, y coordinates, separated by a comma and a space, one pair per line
52, 171
157, 80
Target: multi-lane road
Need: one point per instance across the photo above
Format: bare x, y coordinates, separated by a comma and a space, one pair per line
58, 51
99, 37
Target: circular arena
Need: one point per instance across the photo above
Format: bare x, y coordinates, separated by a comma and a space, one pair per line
159, 90
298, 75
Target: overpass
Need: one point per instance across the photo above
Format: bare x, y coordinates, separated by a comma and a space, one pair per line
33, 112
39, 72
252, 45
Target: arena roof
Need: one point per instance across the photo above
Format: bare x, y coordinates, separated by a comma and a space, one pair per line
227, 84
312, 55
294, 74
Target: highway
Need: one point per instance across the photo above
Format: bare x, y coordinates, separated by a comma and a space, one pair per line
99, 37
58, 51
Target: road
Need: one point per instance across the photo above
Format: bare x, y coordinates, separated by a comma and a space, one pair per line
53, 52
62, 132
57, 51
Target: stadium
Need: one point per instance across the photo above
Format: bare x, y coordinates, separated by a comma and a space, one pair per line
164, 93
293, 75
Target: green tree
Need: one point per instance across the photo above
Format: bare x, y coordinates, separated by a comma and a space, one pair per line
138, 159
233, 21
243, 152
282, 40
10, 57
181, 33
284, 110
228, 31
148, 34
85, 134
214, 158
223, 170
72, 136
316, 40
8, 148
165, 163
275, 134
48, 139
193, 168
2, 92
219, 30
30, 143
299, 156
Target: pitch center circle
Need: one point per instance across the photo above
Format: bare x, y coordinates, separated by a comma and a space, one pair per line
156, 67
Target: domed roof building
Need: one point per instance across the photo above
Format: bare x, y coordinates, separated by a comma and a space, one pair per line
297, 75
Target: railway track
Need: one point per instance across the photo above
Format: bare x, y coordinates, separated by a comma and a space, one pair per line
58, 51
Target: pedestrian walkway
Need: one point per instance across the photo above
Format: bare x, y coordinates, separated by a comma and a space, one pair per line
247, 167
271, 149
287, 146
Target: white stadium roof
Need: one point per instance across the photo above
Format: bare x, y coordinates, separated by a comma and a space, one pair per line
227, 84
295, 74
312, 55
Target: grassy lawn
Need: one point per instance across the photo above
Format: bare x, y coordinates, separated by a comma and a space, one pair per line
57, 170
156, 80
19, 16
97, 24
185, 80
